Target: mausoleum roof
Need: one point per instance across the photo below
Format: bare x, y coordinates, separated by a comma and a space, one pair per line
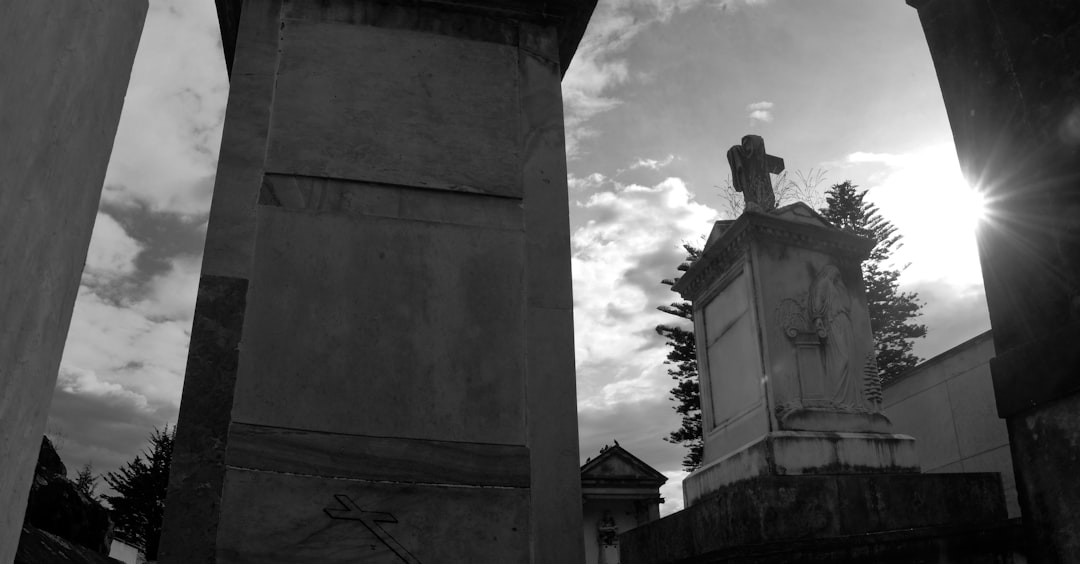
616, 466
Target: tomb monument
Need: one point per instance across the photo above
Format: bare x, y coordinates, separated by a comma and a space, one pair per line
799, 459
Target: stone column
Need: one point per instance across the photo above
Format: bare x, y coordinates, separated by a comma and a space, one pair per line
64, 69
382, 358
1009, 71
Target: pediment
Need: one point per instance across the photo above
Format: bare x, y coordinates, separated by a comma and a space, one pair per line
616, 464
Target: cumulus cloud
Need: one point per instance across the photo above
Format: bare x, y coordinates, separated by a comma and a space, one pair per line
629, 240
111, 254
760, 111
165, 152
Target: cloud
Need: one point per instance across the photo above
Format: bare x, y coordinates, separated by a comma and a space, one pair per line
111, 254
629, 240
85, 382
105, 429
760, 111
651, 164
165, 152
600, 64
172, 293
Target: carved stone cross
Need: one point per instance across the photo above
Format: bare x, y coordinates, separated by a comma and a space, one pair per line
750, 168
371, 519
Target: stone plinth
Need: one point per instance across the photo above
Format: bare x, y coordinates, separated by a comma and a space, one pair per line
382, 355
64, 70
793, 453
837, 518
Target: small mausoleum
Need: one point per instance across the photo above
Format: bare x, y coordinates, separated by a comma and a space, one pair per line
618, 492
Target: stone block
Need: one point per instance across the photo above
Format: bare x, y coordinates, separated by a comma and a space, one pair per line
65, 66
768, 512
197, 472
790, 453
435, 121
384, 327
996, 460
289, 518
378, 458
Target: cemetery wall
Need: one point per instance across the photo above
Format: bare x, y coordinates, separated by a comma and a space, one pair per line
947, 404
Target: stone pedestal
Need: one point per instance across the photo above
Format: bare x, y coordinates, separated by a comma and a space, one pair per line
381, 363
64, 70
1008, 71
799, 463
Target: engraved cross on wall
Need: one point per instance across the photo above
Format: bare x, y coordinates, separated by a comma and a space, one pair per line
371, 519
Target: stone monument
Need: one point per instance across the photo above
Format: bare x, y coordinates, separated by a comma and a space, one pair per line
796, 445
750, 169
381, 364
64, 69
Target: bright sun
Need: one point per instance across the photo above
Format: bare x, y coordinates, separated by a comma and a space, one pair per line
926, 197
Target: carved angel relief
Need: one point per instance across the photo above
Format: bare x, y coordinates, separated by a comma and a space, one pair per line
819, 325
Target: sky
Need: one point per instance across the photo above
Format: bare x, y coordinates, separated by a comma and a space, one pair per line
657, 92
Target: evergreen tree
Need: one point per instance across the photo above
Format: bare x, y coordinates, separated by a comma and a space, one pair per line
85, 480
139, 503
891, 311
683, 356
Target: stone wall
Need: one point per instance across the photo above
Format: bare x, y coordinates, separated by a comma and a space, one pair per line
947, 404
65, 66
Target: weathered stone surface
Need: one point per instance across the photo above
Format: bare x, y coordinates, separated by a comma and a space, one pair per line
987, 544
40, 547
431, 315
65, 68
388, 522
197, 472
787, 453
394, 198
434, 109
767, 512
378, 458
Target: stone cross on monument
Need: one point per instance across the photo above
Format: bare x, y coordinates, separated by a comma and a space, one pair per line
750, 168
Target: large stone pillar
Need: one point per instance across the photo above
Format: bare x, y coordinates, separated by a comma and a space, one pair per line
64, 69
381, 363
1009, 71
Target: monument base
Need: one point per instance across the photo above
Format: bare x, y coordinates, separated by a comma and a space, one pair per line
835, 518
793, 453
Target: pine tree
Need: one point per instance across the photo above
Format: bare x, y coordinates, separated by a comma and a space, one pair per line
891, 311
139, 503
85, 480
683, 355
